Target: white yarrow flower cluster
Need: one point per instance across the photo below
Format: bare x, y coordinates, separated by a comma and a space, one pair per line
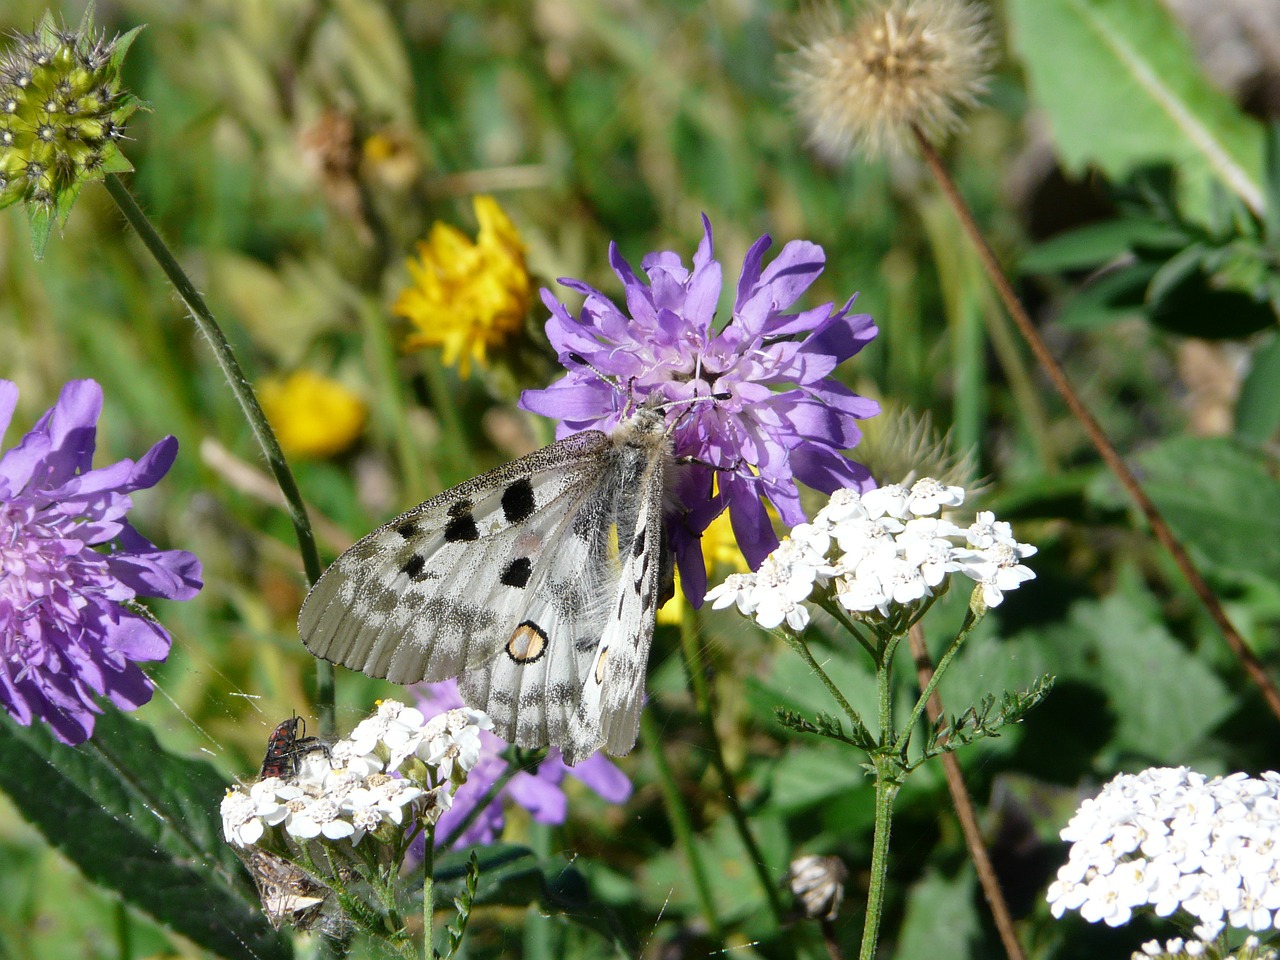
351, 789
1172, 839
1180, 949
879, 549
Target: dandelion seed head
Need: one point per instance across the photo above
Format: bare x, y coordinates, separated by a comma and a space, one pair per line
862, 85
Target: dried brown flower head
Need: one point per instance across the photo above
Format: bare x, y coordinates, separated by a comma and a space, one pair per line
862, 85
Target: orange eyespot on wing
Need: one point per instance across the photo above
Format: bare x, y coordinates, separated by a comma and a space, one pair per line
528, 643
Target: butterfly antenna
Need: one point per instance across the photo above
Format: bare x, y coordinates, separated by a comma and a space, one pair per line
627, 394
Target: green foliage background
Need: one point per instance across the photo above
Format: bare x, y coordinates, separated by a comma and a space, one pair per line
624, 121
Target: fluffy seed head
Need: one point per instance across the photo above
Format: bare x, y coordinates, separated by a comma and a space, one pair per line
862, 85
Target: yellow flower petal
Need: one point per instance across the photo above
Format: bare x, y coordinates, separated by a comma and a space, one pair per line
312, 415
467, 298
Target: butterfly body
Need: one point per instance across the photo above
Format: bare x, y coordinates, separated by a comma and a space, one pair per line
536, 583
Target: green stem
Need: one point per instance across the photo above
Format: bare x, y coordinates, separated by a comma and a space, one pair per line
970, 621
244, 394
680, 823
428, 892
691, 654
796, 642
886, 790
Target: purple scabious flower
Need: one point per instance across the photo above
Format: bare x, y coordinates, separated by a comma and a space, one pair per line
70, 630
539, 792
777, 415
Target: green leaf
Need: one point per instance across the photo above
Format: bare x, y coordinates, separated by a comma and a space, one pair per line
935, 904
1221, 500
1112, 296
1122, 89
806, 775
40, 218
512, 875
1097, 244
143, 823
1258, 409
1162, 698
736, 886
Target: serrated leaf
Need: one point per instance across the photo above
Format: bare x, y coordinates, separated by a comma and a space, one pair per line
1121, 646
1222, 501
143, 823
1124, 67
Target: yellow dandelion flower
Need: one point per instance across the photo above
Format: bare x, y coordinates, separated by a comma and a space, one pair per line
719, 551
899, 64
312, 415
468, 298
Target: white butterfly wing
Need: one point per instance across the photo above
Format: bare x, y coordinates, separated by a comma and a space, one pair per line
445, 587
613, 690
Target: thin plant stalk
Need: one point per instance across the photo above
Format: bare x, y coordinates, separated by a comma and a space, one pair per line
249, 405
681, 825
428, 892
964, 807
888, 779
931, 685
696, 672
1252, 666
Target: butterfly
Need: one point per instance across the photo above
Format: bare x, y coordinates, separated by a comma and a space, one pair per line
536, 583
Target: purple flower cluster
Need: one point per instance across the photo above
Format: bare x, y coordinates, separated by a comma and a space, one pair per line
69, 629
539, 792
776, 415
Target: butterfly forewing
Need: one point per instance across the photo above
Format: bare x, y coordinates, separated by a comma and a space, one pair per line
435, 590
536, 583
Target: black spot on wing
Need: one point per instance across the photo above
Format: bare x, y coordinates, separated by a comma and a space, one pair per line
413, 566
517, 572
461, 528
407, 530
517, 501
637, 546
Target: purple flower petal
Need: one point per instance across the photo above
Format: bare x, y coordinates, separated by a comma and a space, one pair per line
544, 800
769, 372
65, 636
602, 776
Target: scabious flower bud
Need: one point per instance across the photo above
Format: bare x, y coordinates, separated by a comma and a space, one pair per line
863, 85
62, 113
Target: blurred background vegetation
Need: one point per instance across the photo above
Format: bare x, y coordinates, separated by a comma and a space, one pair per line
295, 152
